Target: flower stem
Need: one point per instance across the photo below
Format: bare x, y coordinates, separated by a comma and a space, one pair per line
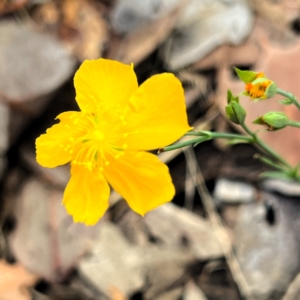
268, 162
252, 138
289, 96
266, 148
184, 144
219, 135
205, 136
294, 123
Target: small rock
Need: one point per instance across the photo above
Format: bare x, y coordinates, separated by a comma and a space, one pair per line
284, 187
233, 191
131, 224
175, 226
25, 76
129, 15
46, 240
164, 268
130, 268
204, 26
114, 262
33, 65
193, 292
267, 245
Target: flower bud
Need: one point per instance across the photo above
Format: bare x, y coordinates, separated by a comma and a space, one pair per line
231, 98
260, 88
273, 120
235, 112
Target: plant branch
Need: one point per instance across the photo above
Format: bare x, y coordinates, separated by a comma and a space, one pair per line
289, 96
266, 148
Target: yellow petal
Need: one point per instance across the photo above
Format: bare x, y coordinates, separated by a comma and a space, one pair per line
142, 179
104, 84
86, 195
158, 116
52, 147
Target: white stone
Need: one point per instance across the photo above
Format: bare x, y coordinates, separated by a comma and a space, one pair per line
233, 191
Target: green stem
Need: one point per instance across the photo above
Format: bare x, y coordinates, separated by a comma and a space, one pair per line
289, 96
205, 136
184, 144
293, 123
268, 162
266, 148
219, 135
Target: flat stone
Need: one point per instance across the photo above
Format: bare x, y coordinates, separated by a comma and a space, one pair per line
176, 226
204, 26
46, 240
26, 76
165, 268
33, 66
113, 262
130, 268
284, 187
129, 15
233, 191
267, 245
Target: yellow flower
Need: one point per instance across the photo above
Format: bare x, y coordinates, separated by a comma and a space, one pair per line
106, 141
257, 91
260, 88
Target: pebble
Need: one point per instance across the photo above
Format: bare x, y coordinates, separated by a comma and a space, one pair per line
233, 191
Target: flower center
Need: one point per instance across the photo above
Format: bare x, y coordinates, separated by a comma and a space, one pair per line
257, 90
98, 135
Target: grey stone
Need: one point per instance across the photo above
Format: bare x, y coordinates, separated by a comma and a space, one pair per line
129, 15
284, 187
46, 240
113, 262
233, 191
165, 269
204, 26
267, 245
32, 64
173, 225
